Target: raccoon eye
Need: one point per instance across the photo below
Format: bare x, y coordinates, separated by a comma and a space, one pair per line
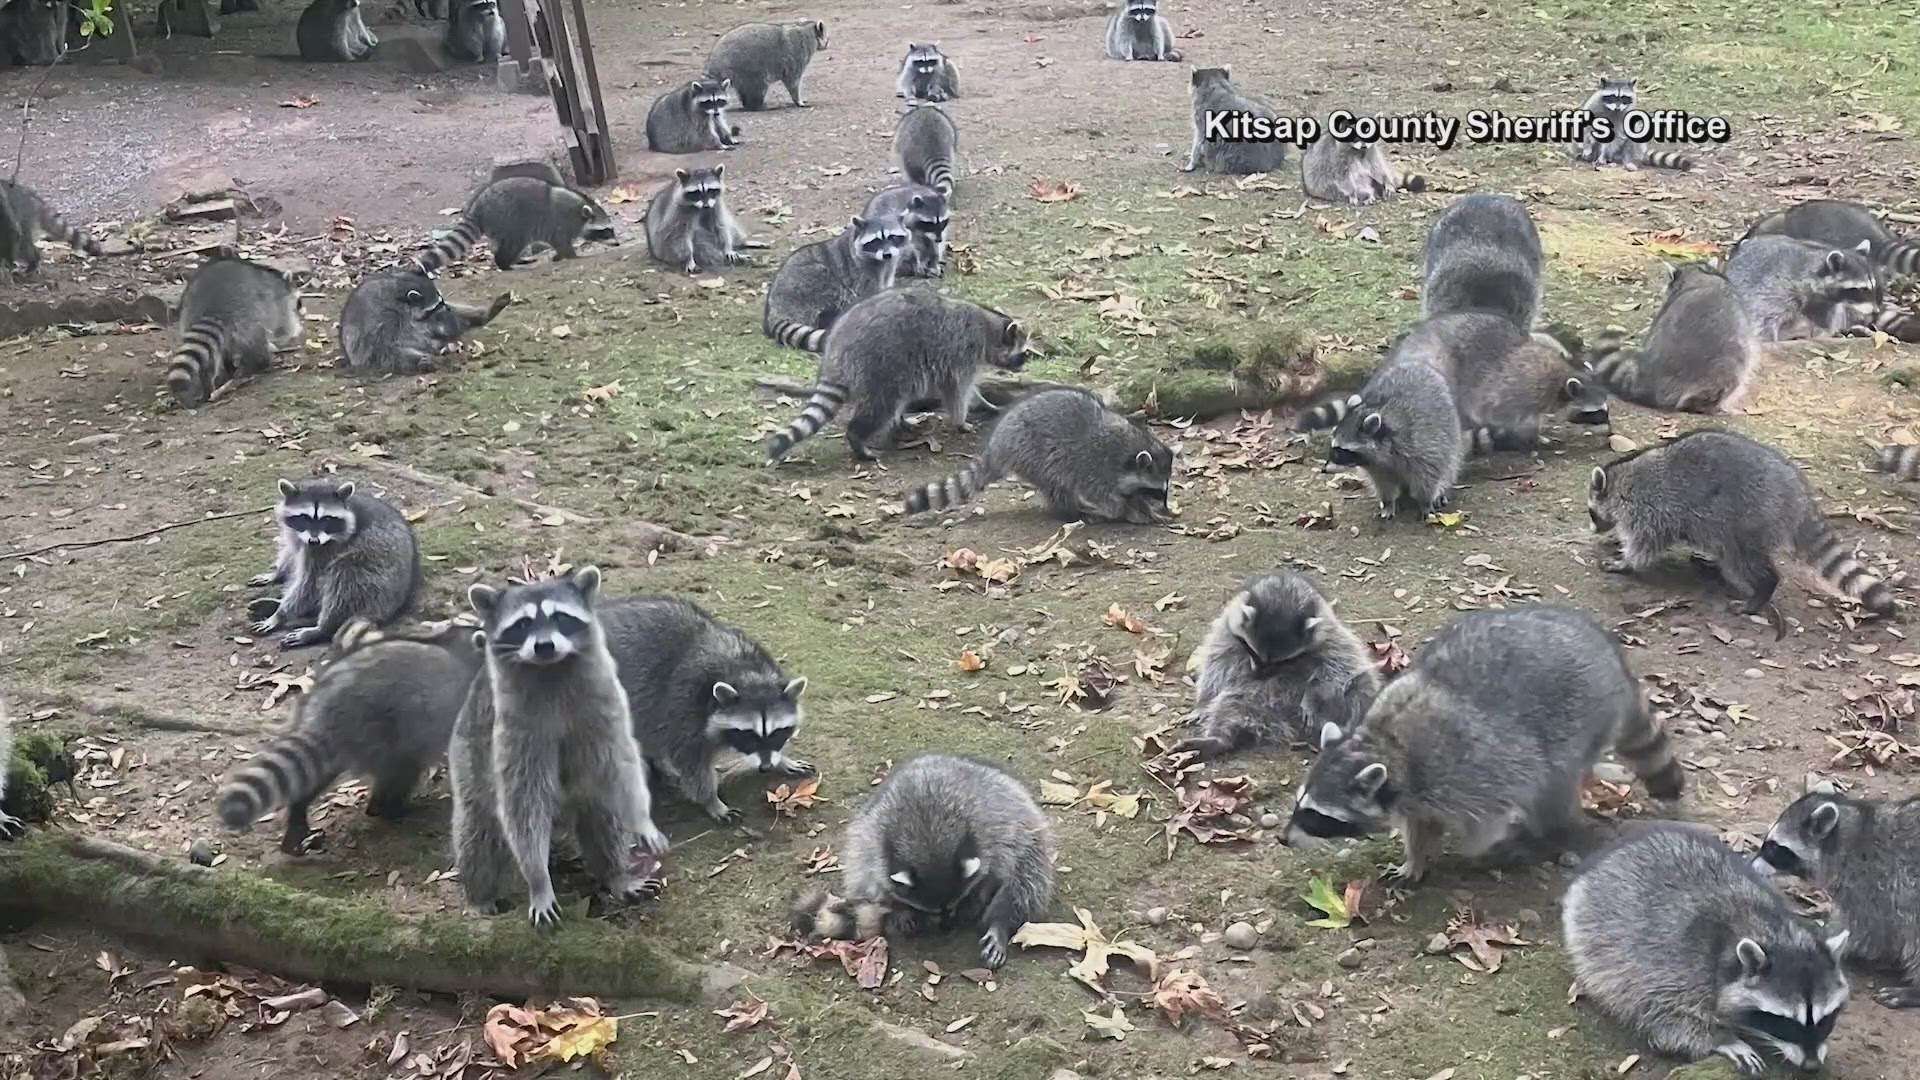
777, 738
567, 624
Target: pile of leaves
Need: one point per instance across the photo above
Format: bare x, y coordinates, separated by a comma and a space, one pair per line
1479, 946
1881, 723
564, 1031
1212, 812
864, 961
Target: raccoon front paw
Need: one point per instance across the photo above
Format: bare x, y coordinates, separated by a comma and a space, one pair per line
269, 578
799, 767
721, 812
635, 892
1898, 997
10, 826
993, 948
1202, 747
1411, 872
1744, 1057
653, 841
1615, 564
306, 843
306, 635
734, 258
543, 913
693, 267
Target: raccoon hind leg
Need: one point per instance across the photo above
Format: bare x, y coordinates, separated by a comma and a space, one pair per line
752, 90
300, 837
1755, 578
393, 788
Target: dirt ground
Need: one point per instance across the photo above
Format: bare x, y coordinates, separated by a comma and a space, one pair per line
622, 391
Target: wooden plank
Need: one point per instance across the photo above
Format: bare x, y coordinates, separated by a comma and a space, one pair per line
519, 31
566, 95
602, 139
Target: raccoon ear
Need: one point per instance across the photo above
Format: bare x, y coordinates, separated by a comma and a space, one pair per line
726, 84
1753, 958
1353, 401
479, 639
970, 866
1311, 622
794, 689
725, 694
1012, 335
481, 597
901, 877
918, 202
287, 489
1672, 269
1143, 461
1836, 261
1837, 944
1371, 779
344, 489
1574, 387
719, 171
680, 176
858, 223
1825, 817
1864, 247
587, 580
1598, 485
1330, 733
1373, 424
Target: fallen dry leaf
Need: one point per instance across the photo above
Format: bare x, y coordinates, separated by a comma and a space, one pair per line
1676, 243
970, 661
1109, 1027
743, 1015
1484, 943
1090, 969
304, 101
791, 800
1050, 191
1116, 616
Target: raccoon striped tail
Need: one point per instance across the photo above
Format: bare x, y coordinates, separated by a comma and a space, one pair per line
57, 227
820, 408
358, 632
798, 335
1668, 159
200, 364
1643, 742
1902, 461
940, 176
1618, 368
450, 248
1413, 182
817, 913
1327, 414
956, 489
1833, 560
291, 770
1903, 257
1897, 323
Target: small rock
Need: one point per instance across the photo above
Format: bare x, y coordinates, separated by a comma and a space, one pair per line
1157, 916
1503, 84
1569, 859
1754, 673
1349, 959
201, 853
1438, 944
1440, 86
1269, 820
1528, 917
1241, 936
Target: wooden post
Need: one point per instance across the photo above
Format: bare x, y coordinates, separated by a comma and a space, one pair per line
562, 38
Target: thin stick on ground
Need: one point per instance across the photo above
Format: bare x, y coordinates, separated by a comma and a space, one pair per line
141, 535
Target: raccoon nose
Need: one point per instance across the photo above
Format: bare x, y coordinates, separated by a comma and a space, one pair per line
544, 648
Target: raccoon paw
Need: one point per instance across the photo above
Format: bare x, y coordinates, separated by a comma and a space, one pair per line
305, 844
1408, 873
993, 949
1744, 1057
544, 912
258, 580
653, 841
10, 826
265, 626
1615, 564
306, 635
1898, 997
644, 889
721, 812
799, 767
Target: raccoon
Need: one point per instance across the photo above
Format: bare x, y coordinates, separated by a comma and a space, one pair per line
1139, 32
898, 348
1488, 735
396, 322
1614, 99
1483, 254
1086, 460
690, 226
1897, 323
1865, 855
1353, 173
341, 554
1503, 378
1276, 665
333, 30
1799, 289
757, 54
1213, 92
946, 840
516, 213
925, 143
383, 707
1743, 505
926, 74
700, 688
475, 31
1699, 356
1677, 939
1839, 224
1403, 429
820, 281
692, 119
10, 827
924, 214
545, 738
234, 315
34, 32
27, 216
1902, 461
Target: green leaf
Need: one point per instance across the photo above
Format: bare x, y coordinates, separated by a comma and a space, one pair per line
1323, 897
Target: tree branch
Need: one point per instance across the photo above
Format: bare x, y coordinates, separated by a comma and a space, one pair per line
141, 535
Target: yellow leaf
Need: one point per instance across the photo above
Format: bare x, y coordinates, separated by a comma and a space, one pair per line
1109, 1027
602, 393
584, 1039
1057, 794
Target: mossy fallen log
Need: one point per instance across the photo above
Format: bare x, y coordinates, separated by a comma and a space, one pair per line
1265, 368
270, 926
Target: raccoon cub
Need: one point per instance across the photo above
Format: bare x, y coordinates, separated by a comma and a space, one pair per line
898, 348
691, 119
1613, 100
924, 215
34, 32
1839, 224
1865, 855
1276, 665
700, 688
545, 739
690, 226
1799, 289
475, 31
943, 840
1483, 254
1488, 735
1139, 32
10, 826
925, 143
382, 707
1403, 429
1086, 460
926, 74
757, 54
1354, 173
341, 554
1676, 938
333, 30
517, 212
1503, 378
30, 217
234, 315
820, 281
1699, 355
1743, 505
396, 322
1213, 92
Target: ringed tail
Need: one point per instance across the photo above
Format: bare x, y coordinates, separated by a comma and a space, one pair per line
1499, 439
289, 770
71, 235
940, 176
451, 248
1618, 368
199, 365
1903, 257
798, 335
1327, 414
820, 408
1669, 159
1902, 461
1413, 182
1897, 324
1643, 742
956, 489
1834, 561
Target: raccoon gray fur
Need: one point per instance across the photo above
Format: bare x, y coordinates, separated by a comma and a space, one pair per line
545, 739
1503, 378
942, 842
925, 146
1354, 173
1612, 101
234, 315
1902, 461
34, 32
341, 554
690, 226
1086, 460
30, 217
927, 74
701, 688
475, 31
1743, 505
821, 281
896, 349
10, 826
1139, 32
1403, 429
516, 213
1865, 855
925, 215
1488, 735
757, 54
1483, 254
1799, 289
333, 30
382, 708
692, 118
1839, 224
1698, 356
1897, 323
396, 322
1676, 938
1276, 665
1213, 91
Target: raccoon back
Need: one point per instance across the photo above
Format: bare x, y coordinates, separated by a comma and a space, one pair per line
1483, 254
669, 653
